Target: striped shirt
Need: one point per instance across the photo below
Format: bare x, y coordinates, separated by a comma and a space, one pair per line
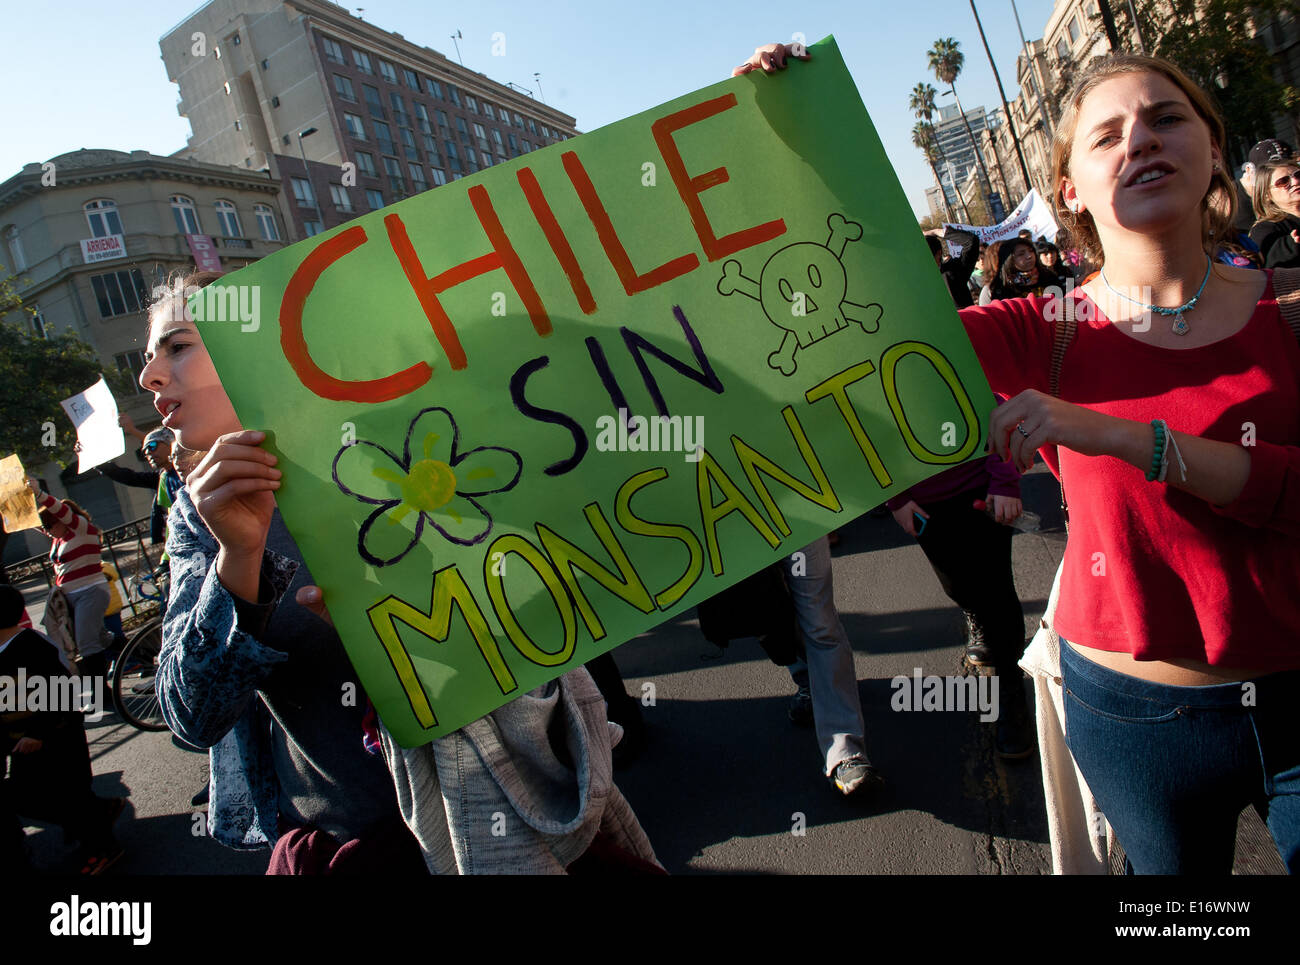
77, 561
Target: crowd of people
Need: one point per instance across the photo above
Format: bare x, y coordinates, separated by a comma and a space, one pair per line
1177, 592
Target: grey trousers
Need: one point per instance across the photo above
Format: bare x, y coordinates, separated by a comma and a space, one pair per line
88, 605
828, 671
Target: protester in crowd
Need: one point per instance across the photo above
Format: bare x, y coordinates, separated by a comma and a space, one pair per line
48, 759
1277, 206
1267, 151
76, 554
1049, 257
956, 269
1178, 584
988, 270
827, 681
1019, 273
258, 678
164, 480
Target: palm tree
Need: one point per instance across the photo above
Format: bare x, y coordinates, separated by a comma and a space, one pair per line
922, 105
923, 138
946, 60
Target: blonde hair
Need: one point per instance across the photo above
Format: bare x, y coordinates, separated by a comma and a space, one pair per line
1261, 198
1219, 204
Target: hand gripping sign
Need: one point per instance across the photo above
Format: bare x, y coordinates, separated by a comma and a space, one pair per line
433, 376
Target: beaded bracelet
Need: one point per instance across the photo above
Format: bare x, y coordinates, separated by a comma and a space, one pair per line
1158, 453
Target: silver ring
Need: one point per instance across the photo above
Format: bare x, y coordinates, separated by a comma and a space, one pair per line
1023, 431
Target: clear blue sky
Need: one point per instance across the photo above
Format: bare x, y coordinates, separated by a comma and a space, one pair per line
89, 74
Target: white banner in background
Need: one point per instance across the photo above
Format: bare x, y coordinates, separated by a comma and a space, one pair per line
1032, 214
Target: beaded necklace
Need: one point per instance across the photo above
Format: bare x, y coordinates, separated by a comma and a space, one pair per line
1180, 324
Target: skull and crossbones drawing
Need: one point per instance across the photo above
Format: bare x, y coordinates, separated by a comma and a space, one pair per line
803, 289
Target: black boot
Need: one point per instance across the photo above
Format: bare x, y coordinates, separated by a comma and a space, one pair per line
978, 651
1015, 737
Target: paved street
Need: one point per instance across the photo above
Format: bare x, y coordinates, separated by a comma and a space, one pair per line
724, 771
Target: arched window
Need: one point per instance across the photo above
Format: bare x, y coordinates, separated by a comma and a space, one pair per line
17, 260
187, 219
266, 226
228, 219
103, 218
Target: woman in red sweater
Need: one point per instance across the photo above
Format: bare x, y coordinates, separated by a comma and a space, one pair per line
1178, 427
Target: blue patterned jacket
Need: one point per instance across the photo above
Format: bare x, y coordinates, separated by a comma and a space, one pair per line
209, 672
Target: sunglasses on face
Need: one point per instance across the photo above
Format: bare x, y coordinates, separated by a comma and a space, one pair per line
151, 446
1285, 179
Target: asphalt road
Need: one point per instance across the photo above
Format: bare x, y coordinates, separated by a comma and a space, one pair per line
724, 773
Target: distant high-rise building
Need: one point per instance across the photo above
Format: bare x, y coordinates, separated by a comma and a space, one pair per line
958, 154
265, 83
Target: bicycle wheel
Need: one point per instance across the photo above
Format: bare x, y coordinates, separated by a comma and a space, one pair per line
133, 693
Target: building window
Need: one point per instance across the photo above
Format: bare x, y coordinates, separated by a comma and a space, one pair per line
339, 195
372, 100
433, 87
496, 136
487, 160
422, 119
384, 137
431, 149
102, 216
443, 129
131, 364
1062, 50
488, 112
343, 86
418, 182
526, 146
1074, 29
519, 121
471, 103
355, 127
453, 95
532, 127
393, 168
399, 109
362, 60
302, 191
120, 292
464, 131
332, 50
266, 225
366, 164
228, 219
312, 228
187, 219
453, 160
439, 177
408, 141
375, 199
481, 135
514, 144
38, 322
412, 81
387, 72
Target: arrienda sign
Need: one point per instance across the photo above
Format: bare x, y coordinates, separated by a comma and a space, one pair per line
102, 249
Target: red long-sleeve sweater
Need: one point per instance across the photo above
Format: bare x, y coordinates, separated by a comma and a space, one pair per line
1151, 570
78, 560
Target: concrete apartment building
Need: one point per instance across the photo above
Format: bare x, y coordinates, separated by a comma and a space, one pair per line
958, 157
90, 233
265, 83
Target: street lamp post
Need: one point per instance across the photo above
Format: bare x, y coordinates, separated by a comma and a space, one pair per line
320, 218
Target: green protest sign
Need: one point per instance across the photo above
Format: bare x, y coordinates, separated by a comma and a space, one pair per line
535, 412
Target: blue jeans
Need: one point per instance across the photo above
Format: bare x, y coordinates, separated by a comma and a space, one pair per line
827, 670
1172, 767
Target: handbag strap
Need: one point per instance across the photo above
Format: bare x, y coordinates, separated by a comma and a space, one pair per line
1286, 286
1063, 330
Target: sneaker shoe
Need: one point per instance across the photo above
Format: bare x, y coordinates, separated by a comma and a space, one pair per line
978, 652
856, 774
801, 708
